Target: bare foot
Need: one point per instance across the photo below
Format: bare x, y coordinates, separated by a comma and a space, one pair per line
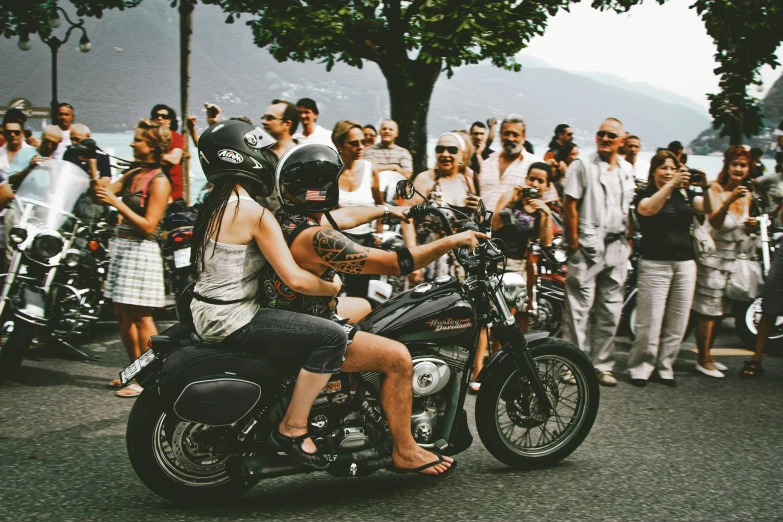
418, 457
307, 445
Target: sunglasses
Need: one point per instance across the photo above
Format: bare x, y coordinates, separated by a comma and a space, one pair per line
610, 135
453, 149
13, 132
569, 134
269, 117
354, 143
164, 115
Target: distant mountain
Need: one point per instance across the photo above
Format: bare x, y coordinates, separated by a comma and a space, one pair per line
708, 140
134, 63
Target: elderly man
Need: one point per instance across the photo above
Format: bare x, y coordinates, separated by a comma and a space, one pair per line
64, 119
311, 132
507, 168
598, 191
50, 140
387, 155
101, 165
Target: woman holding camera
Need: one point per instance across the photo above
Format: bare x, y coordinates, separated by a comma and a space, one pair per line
727, 203
135, 279
667, 269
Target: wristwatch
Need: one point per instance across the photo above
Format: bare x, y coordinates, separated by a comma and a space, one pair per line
385, 211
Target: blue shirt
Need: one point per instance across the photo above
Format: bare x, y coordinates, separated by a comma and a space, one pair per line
19, 163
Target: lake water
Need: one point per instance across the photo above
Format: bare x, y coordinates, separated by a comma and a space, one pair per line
118, 144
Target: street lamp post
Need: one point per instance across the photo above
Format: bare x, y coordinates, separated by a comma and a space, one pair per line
55, 43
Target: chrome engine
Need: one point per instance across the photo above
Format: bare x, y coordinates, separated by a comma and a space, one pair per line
430, 375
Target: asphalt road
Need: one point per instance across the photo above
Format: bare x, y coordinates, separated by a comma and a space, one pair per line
707, 450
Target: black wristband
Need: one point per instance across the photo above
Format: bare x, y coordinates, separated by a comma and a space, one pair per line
405, 261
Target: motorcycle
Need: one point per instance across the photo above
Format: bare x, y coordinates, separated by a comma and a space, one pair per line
176, 235
200, 429
38, 298
747, 315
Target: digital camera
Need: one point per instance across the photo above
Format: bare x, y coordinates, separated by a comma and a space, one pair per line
530, 192
86, 148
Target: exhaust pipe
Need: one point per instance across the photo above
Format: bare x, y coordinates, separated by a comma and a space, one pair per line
358, 464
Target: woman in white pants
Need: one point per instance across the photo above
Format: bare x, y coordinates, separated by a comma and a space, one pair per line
667, 269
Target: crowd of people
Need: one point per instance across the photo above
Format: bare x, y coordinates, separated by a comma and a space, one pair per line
597, 201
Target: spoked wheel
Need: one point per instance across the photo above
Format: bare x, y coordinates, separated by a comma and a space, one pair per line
166, 459
516, 431
746, 321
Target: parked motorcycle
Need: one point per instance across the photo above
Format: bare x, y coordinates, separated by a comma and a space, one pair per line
200, 430
176, 236
38, 298
747, 315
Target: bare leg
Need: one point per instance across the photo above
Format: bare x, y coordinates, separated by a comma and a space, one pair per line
705, 326
370, 352
353, 308
146, 327
482, 351
766, 324
128, 330
294, 424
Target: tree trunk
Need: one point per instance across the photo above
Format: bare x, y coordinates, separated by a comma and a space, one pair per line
185, 34
410, 89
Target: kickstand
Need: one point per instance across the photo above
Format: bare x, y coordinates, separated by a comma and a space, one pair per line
83, 355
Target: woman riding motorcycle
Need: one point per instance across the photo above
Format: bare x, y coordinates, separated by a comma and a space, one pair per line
234, 238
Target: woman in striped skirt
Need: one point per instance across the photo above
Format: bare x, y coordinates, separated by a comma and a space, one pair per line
135, 279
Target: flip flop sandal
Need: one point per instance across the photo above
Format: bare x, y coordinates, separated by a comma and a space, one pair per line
752, 369
403, 471
292, 446
130, 391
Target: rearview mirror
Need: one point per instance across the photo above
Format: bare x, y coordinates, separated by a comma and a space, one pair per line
405, 189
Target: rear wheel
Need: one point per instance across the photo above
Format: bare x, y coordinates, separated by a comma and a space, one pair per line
513, 429
16, 338
165, 458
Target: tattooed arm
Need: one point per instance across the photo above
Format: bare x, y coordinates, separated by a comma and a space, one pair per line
333, 249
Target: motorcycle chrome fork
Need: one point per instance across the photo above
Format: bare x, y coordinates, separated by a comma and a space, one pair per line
509, 334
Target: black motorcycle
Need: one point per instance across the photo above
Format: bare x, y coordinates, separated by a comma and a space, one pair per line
38, 297
175, 243
200, 430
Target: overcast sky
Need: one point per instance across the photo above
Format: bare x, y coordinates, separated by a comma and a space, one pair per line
663, 45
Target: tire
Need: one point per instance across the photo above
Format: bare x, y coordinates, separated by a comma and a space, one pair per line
157, 448
13, 349
506, 394
746, 319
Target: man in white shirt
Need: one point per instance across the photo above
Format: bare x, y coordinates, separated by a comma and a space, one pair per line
639, 167
311, 132
507, 168
387, 155
64, 120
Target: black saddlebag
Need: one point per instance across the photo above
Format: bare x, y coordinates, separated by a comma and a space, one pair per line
210, 386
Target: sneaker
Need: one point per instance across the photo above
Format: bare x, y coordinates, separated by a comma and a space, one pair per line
606, 379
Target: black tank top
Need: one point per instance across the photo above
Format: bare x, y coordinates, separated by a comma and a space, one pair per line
278, 294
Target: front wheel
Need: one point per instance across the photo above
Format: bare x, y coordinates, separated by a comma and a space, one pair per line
513, 429
746, 321
165, 458
17, 337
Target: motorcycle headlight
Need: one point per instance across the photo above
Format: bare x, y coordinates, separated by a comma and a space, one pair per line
17, 236
559, 251
72, 258
46, 245
514, 290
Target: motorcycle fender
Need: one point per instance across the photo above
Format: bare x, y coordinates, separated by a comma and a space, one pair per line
497, 361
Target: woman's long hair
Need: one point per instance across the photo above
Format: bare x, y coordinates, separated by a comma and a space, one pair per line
553, 143
210, 217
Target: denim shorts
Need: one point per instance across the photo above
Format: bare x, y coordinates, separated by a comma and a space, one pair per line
291, 341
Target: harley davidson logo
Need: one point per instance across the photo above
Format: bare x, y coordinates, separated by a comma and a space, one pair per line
440, 325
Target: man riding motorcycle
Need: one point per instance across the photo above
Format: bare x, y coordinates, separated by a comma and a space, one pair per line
307, 189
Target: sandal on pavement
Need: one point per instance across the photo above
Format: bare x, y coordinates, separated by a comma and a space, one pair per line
475, 387
130, 391
403, 471
292, 446
752, 369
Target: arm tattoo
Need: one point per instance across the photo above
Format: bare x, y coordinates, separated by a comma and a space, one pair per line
339, 252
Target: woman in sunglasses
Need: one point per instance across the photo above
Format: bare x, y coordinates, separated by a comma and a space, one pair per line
448, 184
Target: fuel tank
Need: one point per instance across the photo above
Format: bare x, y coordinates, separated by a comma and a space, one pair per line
437, 312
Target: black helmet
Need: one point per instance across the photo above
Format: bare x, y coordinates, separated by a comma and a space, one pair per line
236, 148
307, 177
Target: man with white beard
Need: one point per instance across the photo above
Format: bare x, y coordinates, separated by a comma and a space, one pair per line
507, 168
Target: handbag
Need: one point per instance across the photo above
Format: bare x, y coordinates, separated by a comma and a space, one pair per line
703, 244
746, 281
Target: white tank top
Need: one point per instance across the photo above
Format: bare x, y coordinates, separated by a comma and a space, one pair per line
361, 197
